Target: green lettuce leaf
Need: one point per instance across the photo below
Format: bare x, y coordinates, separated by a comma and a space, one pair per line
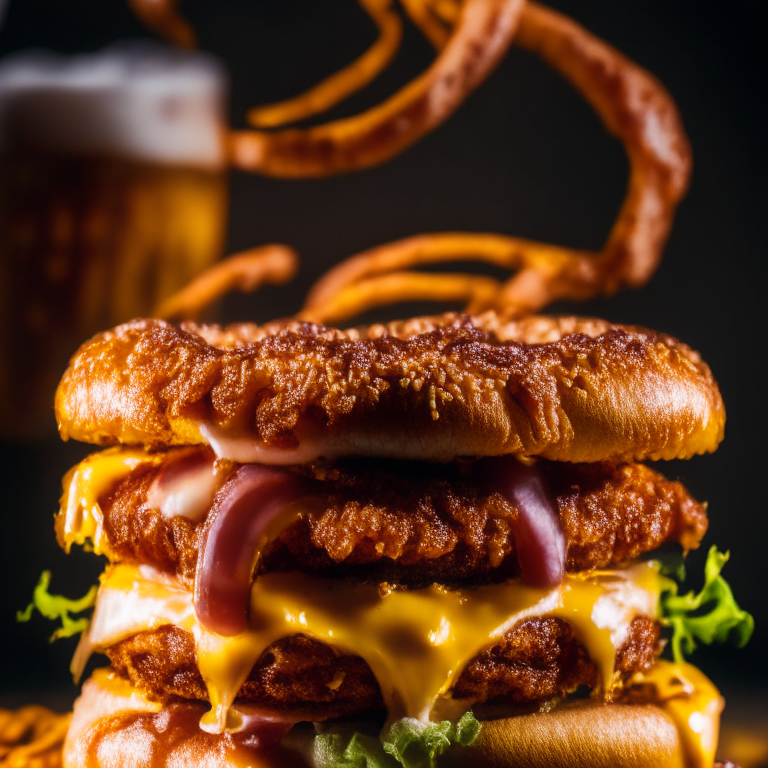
710, 616
408, 743
334, 750
59, 607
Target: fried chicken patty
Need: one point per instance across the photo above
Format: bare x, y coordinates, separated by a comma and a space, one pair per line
414, 524
430, 389
538, 660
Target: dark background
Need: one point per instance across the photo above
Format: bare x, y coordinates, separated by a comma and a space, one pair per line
524, 156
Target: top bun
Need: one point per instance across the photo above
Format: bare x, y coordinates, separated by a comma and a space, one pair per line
431, 388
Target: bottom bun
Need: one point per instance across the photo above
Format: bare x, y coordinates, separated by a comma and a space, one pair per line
580, 735
114, 726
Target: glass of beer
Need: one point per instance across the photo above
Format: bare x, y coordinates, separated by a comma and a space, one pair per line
113, 195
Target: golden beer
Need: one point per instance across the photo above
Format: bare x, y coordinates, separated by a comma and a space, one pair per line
113, 195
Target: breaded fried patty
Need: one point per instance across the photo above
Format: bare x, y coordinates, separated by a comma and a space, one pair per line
417, 524
429, 389
538, 660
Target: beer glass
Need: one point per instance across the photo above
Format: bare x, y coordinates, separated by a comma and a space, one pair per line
113, 195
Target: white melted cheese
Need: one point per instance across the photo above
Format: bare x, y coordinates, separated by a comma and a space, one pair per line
249, 450
189, 495
415, 641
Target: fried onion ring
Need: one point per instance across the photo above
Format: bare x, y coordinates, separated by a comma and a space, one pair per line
446, 10
475, 290
637, 108
344, 83
335, 296
633, 105
163, 18
274, 264
480, 39
421, 14
32, 737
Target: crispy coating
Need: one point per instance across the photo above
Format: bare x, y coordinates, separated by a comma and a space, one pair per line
539, 659
414, 524
308, 677
426, 389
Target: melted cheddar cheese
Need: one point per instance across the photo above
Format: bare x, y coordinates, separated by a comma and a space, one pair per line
692, 702
415, 641
86, 483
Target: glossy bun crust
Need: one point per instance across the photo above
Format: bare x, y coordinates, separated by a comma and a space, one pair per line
115, 728
108, 731
584, 735
567, 389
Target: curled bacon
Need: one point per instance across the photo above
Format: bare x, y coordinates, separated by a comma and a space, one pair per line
633, 105
344, 83
481, 37
246, 271
162, 16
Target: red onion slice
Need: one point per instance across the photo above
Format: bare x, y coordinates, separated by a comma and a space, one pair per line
539, 541
248, 507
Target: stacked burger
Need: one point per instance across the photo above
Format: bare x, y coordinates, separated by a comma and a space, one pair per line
425, 543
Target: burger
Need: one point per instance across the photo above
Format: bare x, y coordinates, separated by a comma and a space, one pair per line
427, 543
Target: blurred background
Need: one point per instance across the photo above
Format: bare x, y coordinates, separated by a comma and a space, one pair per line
524, 156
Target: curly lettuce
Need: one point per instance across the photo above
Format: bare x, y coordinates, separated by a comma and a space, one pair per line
59, 607
710, 616
408, 743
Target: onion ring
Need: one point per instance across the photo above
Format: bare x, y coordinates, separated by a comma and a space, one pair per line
334, 292
381, 290
246, 271
421, 14
32, 736
636, 107
344, 83
163, 18
481, 37
633, 105
446, 10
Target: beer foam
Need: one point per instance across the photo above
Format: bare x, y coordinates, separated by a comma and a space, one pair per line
140, 100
